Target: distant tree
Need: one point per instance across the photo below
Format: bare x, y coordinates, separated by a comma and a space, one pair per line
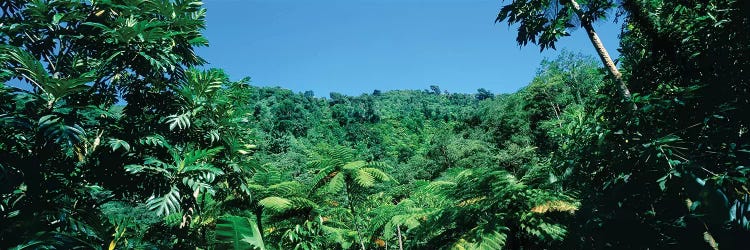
483, 93
337, 97
309, 93
435, 89
376, 92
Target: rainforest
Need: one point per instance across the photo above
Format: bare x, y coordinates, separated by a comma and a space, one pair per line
115, 135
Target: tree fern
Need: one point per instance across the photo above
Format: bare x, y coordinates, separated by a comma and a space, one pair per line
339, 173
508, 206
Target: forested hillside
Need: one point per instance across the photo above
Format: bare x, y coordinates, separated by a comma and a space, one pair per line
114, 136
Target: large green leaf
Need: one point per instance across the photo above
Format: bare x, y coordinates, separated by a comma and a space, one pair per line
239, 232
56, 130
166, 204
181, 121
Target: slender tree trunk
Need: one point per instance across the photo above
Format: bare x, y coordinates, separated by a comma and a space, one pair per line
259, 220
400, 241
603, 55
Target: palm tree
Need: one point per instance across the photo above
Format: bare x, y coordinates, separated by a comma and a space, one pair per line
544, 22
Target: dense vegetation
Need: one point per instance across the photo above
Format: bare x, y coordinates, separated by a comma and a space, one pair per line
112, 136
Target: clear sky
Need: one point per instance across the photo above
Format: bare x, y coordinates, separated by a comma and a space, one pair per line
356, 46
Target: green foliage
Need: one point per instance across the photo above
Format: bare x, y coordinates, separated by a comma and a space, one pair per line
114, 139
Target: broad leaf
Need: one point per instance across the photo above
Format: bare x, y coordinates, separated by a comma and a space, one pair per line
166, 204
239, 232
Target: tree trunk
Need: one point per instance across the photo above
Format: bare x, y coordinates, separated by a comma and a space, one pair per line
603, 55
259, 220
400, 242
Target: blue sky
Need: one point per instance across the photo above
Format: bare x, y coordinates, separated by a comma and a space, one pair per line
356, 46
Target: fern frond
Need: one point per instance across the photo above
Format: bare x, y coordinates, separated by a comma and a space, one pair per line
378, 164
380, 216
267, 178
492, 240
341, 154
286, 188
300, 207
439, 187
324, 176
378, 174
354, 165
275, 203
255, 188
471, 201
335, 184
555, 206
301, 203
364, 179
